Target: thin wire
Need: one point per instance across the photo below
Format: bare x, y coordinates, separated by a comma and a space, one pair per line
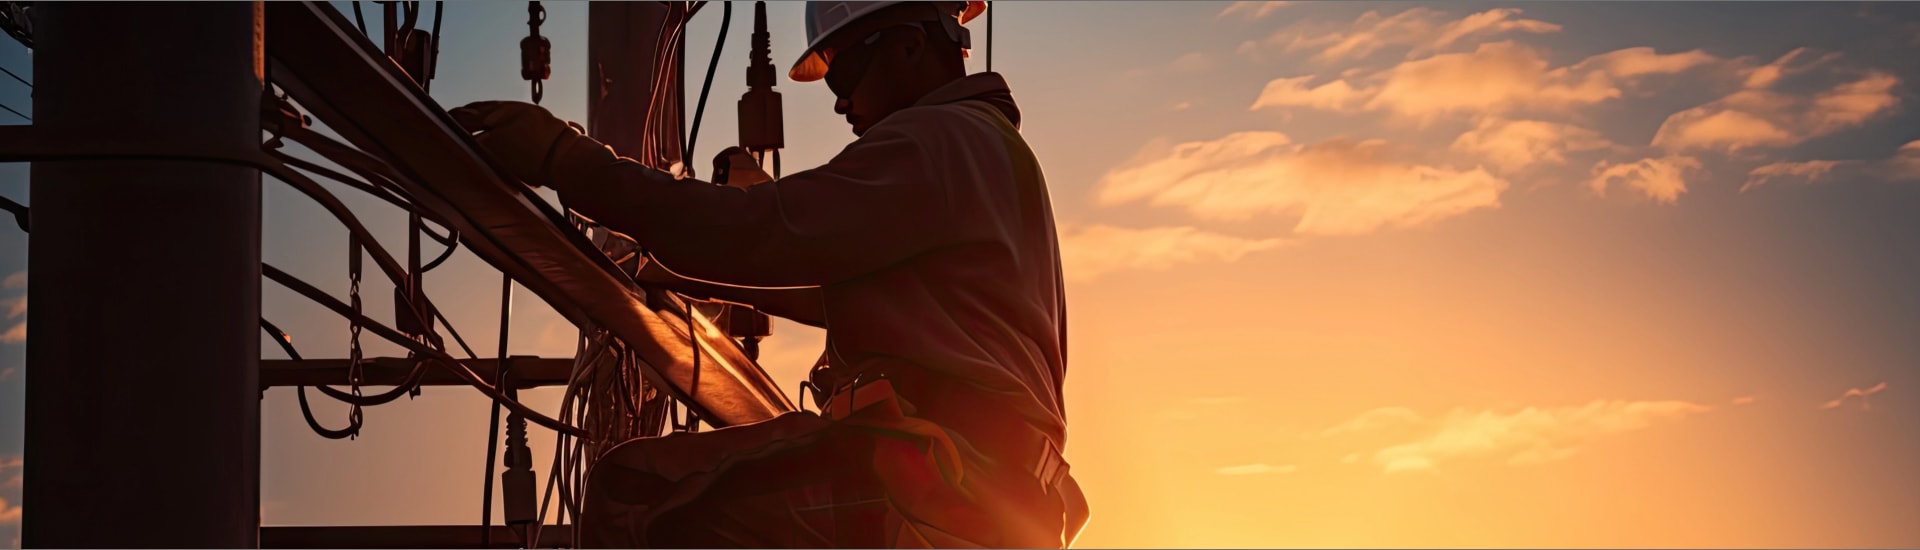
15, 113
16, 77
719, 44
493, 431
433, 51
357, 18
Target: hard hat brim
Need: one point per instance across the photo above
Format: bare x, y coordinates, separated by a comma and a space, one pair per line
812, 66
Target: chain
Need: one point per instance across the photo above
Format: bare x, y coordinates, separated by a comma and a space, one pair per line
356, 374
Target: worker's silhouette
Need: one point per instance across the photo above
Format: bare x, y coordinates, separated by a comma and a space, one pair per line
926, 248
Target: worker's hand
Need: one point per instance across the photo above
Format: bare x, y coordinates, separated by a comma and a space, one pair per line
531, 143
734, 167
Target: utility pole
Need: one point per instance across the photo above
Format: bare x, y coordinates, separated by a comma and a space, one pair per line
143, 400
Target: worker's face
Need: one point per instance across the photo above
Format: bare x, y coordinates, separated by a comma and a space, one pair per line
863, 74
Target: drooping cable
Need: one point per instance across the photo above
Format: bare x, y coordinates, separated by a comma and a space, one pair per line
359, 19
719, 44
433, 356
306, 410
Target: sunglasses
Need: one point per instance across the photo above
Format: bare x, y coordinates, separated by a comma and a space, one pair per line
846, 66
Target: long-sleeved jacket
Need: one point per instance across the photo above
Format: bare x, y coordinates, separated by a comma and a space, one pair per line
930, 238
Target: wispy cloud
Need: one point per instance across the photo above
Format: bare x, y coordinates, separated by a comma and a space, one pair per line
1759, 115
1855, 392
1661, 179
8, 514
1336, 187
1253, 10
1091, 251
1256, 469
15, 335
1182, 106
1904, 165
1421, 31
7, 373
16, 307
17, 280
1527, 436
1743, 400
1375, 419
1494, 79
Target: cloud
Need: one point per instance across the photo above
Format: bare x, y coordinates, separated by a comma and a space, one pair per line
1855, 392
1420, 30
16, 307
1811, 170
16, 281
1493, 79
1759, 116
1256, 469
15, 335
1336, 187
1253, 10
1374, 420
1512, 145
1904, 165
8, 514
1182, 106
1215, 401
1522, 437
7, 373
1661, 179
1091, 251
1906, 161
1744, 400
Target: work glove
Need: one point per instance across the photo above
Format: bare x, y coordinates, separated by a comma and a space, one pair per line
734, 167
531, 143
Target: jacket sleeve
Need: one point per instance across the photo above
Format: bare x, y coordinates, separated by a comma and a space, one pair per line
876, 203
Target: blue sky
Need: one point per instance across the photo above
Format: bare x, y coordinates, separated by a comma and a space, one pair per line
1481, 257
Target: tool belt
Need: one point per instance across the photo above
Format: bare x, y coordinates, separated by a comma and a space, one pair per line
1010, 440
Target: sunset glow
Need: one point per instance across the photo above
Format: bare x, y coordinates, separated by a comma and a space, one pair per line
1340, 274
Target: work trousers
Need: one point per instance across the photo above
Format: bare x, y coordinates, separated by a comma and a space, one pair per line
804, 481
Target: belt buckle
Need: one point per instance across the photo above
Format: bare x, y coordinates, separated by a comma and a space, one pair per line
1051, 468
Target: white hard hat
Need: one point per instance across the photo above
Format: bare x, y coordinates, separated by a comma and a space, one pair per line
823, 18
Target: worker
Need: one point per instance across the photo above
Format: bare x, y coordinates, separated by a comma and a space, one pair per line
927, 250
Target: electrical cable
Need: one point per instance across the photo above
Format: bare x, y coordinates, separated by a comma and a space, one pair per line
20, 213
719, 44
493, 430
16, 77
433, 54
286, 344
433, 355
359, 19
15, 113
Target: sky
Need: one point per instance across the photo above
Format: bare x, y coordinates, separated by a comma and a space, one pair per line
1354, 274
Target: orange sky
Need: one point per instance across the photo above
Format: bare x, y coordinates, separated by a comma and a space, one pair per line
1342, 274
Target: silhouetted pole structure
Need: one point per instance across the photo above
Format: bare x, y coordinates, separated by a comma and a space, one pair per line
143, 402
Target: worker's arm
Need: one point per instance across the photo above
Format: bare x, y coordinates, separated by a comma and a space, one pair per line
875, 204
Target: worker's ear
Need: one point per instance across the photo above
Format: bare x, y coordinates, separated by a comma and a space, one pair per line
914, 43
